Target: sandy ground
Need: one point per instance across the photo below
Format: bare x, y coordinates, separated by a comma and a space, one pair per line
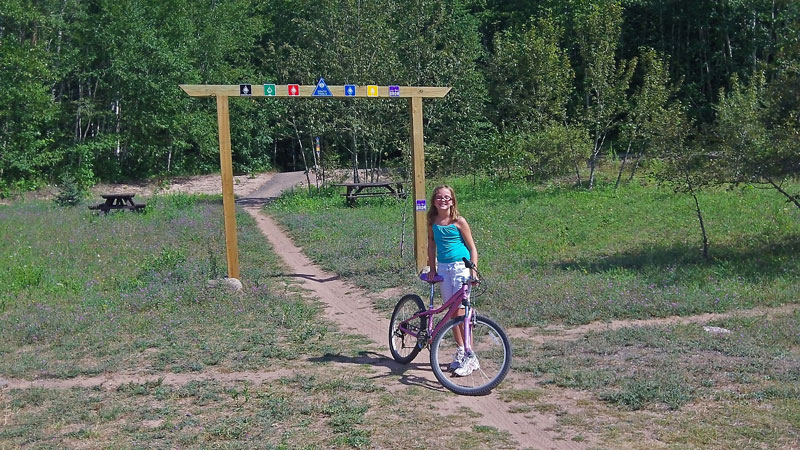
202, 184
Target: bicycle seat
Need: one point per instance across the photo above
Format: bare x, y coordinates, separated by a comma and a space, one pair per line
424, 277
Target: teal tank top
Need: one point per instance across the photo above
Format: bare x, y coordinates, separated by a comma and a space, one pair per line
450, 245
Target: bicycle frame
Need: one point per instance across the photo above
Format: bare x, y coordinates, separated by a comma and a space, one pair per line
461, 297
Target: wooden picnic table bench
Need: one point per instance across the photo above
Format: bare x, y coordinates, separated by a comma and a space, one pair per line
379, 189
118, 201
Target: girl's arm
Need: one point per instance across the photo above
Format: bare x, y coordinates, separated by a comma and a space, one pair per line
466, 234
431, 253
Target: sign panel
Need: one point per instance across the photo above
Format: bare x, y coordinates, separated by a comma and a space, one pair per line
245, 90
349, 90
269, 90
322, 89
394, 91
372, 90
294, 90
422, 205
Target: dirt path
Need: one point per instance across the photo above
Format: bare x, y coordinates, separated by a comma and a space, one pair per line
351, 309
549, 334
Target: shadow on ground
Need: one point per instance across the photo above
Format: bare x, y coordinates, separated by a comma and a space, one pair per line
401, 371
772, 259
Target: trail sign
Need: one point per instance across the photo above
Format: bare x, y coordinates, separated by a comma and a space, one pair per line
294, 90
394, 91
349, 90
269, 90
372, 90
245, 90
322, 89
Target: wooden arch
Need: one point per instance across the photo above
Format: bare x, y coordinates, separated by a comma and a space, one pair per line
414, 94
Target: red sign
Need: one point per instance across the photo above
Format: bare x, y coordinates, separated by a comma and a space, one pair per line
294, 90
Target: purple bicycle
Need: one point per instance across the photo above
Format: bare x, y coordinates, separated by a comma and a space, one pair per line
411, 329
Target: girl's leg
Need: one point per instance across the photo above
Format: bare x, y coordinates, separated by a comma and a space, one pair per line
454, 275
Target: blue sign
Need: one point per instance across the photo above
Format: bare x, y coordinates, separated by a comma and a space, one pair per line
349, 90
322, 89
394, 91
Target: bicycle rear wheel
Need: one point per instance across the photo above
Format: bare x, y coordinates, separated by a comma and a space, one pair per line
492, 348
402, 345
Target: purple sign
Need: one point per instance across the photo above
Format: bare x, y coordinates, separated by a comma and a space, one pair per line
394, 91
421, 205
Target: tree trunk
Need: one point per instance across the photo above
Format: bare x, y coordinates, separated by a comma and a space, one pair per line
635, 166
302, 153
699, 217
354, 159
622, 166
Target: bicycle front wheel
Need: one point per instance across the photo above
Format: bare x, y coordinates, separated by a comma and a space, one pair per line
490, 345
404, 346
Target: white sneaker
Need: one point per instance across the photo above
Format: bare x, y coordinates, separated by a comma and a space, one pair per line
458, 359
469, 365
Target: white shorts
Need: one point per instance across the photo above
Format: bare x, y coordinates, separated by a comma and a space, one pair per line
454, 274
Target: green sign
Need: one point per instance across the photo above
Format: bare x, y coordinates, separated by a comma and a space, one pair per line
269, 90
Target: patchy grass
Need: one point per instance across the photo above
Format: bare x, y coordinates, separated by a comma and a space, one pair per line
699, 389
334, 408
83, 294
559, 254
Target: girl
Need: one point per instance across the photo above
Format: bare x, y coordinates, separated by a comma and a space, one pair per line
450, 237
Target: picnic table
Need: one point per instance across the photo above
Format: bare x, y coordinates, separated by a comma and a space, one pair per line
378, 189
118, 201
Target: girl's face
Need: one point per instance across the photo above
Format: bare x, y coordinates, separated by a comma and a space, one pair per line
443, 199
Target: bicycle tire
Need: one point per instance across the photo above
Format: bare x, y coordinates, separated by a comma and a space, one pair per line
490, 344
404, 347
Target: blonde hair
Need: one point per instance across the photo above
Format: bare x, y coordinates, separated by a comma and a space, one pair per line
432, 211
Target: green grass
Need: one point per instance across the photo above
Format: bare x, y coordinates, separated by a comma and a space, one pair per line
559, 254
83, 294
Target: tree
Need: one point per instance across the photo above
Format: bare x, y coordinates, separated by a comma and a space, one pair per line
754, 148
605, 80
648, 102
682, 162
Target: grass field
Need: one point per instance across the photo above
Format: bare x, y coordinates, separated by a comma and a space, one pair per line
83, 295
557, 254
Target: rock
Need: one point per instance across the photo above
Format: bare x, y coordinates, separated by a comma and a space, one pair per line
231, 283
716, 330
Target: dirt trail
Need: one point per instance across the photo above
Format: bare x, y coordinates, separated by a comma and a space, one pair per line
549, 334
352, 309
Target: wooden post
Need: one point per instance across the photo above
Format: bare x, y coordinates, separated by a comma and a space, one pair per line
228, 202
415, 94
418, 174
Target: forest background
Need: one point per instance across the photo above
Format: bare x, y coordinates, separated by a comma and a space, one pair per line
698, 92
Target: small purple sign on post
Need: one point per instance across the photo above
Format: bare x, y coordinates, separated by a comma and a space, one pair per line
422, 205
394, 91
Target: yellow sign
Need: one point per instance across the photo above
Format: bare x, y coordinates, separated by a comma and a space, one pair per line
372, 90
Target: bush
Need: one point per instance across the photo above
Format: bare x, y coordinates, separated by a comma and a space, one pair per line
70, 192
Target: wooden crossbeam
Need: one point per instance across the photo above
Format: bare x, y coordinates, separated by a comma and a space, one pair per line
282, 90
414, 94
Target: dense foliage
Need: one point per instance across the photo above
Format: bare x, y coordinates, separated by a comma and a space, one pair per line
91, 88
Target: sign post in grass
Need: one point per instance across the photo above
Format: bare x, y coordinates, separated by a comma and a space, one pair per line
414, 94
